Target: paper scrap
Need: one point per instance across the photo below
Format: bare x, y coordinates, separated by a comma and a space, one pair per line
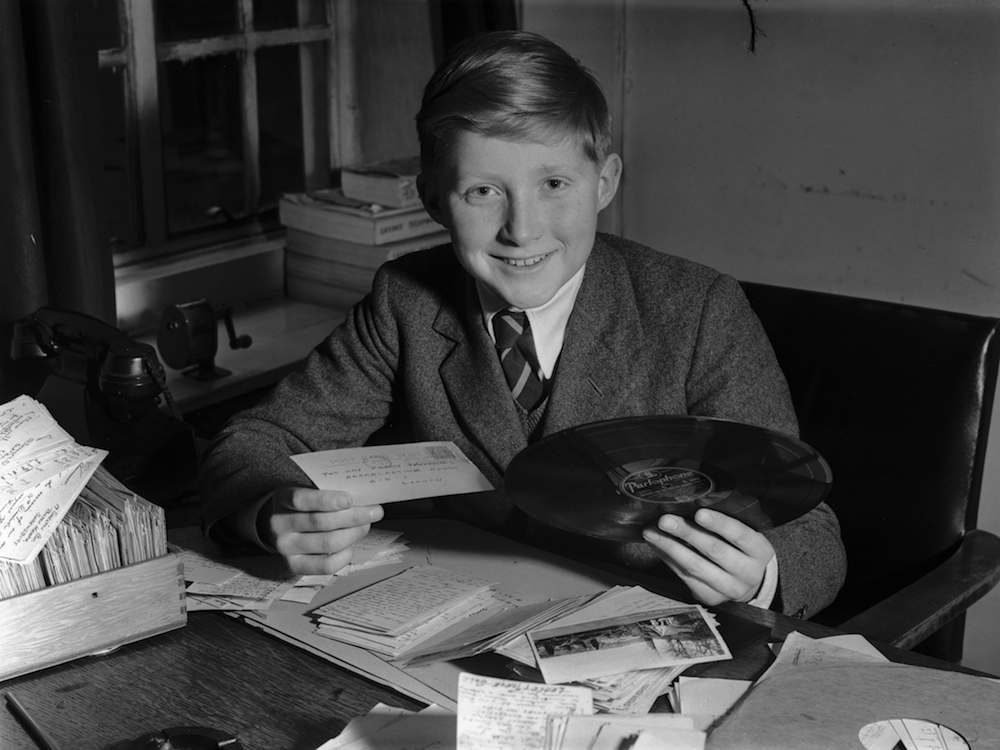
42, 471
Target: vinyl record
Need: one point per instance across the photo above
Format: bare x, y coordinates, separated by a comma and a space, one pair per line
611, 479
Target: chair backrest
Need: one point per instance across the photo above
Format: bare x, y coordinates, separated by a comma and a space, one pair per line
898, 399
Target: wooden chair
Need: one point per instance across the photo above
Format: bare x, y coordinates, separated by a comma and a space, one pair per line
898, 399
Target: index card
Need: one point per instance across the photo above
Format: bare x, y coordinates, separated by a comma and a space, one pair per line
391, 473
35, 495
497, 714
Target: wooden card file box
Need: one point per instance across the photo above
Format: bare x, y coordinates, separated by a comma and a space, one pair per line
100, 612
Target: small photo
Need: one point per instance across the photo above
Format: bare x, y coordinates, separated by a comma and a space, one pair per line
639, 641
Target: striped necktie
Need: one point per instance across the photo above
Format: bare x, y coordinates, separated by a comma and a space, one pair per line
517, 357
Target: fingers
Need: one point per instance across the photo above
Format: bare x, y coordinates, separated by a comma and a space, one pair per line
318, 564
314, 530
318, 521
303, 499
718, 557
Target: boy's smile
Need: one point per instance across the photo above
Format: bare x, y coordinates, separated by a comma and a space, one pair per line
522, 215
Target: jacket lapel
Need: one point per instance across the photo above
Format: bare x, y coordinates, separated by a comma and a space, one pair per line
603, 336
474, 382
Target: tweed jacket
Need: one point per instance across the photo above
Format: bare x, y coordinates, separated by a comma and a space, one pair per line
649, 334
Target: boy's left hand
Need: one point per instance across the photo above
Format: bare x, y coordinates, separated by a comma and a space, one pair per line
717, 557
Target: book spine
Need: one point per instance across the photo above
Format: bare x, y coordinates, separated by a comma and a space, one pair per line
355, 253
387, 190
374, 230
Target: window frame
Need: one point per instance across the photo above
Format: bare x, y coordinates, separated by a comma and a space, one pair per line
139, 56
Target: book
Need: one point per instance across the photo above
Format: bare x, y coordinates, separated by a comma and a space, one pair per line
326, 213
320, 293
356, 253
391, 183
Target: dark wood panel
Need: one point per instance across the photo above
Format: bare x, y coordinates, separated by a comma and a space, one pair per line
215, 672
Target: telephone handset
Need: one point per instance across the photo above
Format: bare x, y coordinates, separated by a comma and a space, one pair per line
108, 391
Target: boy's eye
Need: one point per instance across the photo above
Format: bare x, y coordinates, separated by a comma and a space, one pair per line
480, 193
555, 183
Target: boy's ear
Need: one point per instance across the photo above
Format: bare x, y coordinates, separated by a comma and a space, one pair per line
430, 199
607, 185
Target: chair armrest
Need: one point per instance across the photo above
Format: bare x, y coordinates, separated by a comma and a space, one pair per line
913, 613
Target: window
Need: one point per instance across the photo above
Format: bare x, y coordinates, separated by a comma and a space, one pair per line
213, 108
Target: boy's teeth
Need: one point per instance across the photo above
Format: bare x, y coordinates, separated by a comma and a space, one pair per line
524, 261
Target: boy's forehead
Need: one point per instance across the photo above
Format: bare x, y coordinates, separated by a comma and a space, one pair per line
473, 150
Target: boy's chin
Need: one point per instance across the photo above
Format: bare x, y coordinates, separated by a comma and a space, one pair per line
526, 299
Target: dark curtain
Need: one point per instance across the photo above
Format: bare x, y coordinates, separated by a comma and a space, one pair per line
52, 247
454, 20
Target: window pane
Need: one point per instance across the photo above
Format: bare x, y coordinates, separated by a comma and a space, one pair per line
201, 121
280, 109
119, 209
273, 14
280, 14
106, 24
177, 20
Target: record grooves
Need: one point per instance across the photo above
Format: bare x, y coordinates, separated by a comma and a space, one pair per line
610, 479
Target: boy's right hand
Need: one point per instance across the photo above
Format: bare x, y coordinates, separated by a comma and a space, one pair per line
314, 529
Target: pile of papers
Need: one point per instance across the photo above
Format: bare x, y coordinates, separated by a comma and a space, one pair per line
625, 644
62, 516
499, 714
255, 584
400, 613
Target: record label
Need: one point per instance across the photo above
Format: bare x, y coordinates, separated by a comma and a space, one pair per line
611, 479
665, 484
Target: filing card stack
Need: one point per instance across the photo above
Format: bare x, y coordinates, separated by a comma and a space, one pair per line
84, 564
337, 237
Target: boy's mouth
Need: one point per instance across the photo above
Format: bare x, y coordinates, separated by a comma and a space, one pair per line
534, 260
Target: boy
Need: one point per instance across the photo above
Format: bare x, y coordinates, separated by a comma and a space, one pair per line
515, 144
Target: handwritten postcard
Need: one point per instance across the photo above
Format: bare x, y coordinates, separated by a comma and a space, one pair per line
42, 471
498, 714
391, 473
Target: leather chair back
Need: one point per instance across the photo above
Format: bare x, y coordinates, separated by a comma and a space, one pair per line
898, 399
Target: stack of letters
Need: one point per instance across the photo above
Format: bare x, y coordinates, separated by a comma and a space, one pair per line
62, 516
625, 644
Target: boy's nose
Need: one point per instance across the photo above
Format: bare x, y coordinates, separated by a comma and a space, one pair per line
522, 222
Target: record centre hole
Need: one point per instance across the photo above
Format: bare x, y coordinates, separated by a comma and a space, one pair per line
890, 734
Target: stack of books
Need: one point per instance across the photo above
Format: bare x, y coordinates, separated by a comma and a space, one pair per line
336, 238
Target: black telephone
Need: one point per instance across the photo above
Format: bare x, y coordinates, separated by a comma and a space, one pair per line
109, 391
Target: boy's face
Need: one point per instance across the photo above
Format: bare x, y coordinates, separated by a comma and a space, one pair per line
522, 215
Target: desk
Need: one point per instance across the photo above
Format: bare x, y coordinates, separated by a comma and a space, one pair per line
221, 673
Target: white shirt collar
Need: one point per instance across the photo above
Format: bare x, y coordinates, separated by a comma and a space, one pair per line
548, 321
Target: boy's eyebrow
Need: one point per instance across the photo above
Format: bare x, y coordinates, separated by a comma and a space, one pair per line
543, 168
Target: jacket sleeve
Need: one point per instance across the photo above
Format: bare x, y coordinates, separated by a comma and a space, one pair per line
735, 375
338, 398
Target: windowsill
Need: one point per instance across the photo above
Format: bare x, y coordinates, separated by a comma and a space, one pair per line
283, 332
236, 275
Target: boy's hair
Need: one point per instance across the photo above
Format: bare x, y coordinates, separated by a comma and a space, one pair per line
512, 84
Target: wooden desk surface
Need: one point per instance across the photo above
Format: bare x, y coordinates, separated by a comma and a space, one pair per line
215, 672
221, 673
